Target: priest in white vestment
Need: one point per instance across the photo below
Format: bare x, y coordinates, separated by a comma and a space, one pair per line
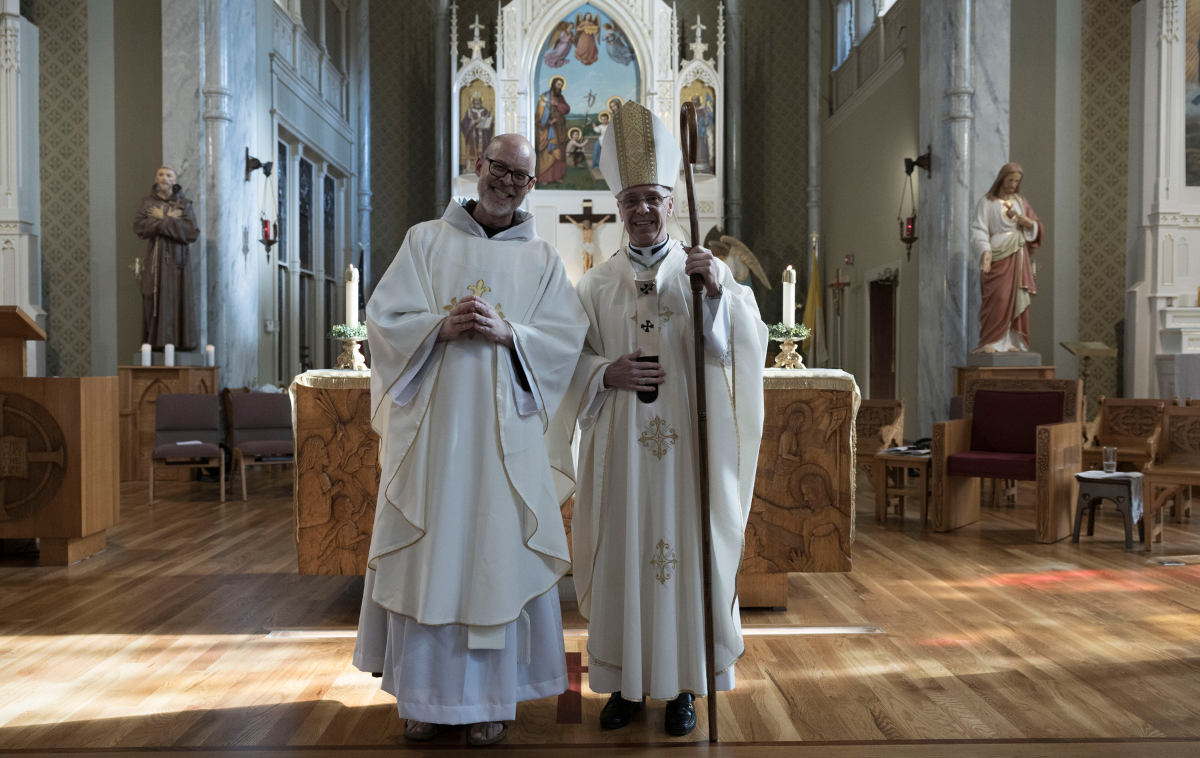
636, 525
475, 331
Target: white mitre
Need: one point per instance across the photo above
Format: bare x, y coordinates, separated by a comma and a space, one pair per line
638, 149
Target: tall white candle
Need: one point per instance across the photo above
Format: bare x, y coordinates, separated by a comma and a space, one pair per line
210, 355
146, 354
168, 355
789, 297
351, 295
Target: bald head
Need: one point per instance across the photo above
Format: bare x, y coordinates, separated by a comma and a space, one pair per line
513, 151
507, 156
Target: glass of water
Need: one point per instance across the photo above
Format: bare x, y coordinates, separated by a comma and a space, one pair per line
1110, 460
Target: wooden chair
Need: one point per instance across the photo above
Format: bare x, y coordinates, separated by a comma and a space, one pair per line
1021, 429
1133, 427
1175, 471
187, 432
260, 429
879, 425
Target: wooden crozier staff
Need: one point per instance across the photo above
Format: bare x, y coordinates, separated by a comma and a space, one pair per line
687, 140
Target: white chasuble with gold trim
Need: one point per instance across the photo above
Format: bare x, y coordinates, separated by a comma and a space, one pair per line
636, 526
467, 526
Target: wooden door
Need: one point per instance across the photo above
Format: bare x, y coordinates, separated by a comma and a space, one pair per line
883, 340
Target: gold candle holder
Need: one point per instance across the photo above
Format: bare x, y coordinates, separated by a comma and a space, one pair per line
788, 356
351, 357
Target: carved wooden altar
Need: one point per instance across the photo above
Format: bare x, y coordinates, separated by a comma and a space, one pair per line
802, 516
140, 386
336, 472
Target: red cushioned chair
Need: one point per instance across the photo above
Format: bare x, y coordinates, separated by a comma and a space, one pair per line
260, 429
1022, 429
187, 432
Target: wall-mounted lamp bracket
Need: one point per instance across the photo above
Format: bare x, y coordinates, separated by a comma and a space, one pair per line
924, 161
253, 164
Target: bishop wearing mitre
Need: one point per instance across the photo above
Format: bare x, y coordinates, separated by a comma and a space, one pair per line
636, 525
475, 330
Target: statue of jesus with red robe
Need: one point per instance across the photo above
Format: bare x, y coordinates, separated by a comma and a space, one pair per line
1004, 233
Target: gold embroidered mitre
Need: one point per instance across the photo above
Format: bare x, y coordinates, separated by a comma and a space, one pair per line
638, 148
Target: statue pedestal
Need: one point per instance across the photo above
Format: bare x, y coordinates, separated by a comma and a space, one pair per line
964, 375
1005, 360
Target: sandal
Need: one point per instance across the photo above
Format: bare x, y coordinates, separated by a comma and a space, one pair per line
473, 741
435, 730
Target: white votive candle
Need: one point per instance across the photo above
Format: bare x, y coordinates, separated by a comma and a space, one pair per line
168, 355
789, 297
210, 355
146, 354
351, 296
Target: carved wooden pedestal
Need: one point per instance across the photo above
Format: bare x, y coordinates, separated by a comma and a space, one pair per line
964, 375
140, 386
58, 464
337, 471
802, 516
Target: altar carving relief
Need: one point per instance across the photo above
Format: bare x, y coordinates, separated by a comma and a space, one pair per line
33, 457
337, 480
802, 514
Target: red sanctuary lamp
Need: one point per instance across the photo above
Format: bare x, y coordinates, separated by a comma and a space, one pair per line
268, 240
908, 232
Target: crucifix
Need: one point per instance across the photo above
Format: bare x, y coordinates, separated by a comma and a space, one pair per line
588, 223
837, 287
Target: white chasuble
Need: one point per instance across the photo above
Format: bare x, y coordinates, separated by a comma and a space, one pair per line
467, 526
636, 526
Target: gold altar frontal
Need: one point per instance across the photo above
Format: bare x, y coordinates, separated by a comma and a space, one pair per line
801, 519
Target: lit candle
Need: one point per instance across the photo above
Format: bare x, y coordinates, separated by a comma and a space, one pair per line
351, 295
146, 354
789, 297
168, 355
210, 355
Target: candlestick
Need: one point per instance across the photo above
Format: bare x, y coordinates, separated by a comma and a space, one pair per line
351, 295
146, 354
210, 355
168, 355
789, 297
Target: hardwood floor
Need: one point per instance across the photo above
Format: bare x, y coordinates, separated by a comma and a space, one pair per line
993, 646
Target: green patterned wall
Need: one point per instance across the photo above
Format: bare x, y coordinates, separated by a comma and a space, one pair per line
66, 232
1103, 175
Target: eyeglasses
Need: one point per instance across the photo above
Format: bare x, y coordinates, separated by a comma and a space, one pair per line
631, 202
498, 170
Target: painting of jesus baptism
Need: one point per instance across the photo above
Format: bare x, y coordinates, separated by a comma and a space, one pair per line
587, 62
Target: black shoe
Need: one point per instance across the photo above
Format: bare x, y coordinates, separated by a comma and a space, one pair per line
681, 715
618, 711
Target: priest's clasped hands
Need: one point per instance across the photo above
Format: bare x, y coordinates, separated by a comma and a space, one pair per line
475, 313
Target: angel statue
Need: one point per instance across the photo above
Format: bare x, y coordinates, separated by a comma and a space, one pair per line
741, 261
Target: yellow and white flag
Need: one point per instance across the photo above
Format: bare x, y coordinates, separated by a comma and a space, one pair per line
815, 354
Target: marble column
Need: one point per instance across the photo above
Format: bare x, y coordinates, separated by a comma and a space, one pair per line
183, 128
442, 56
814, 117
362, 64
733, 119
20, 178
964, 82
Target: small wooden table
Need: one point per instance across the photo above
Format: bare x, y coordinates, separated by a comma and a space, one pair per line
895, 466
